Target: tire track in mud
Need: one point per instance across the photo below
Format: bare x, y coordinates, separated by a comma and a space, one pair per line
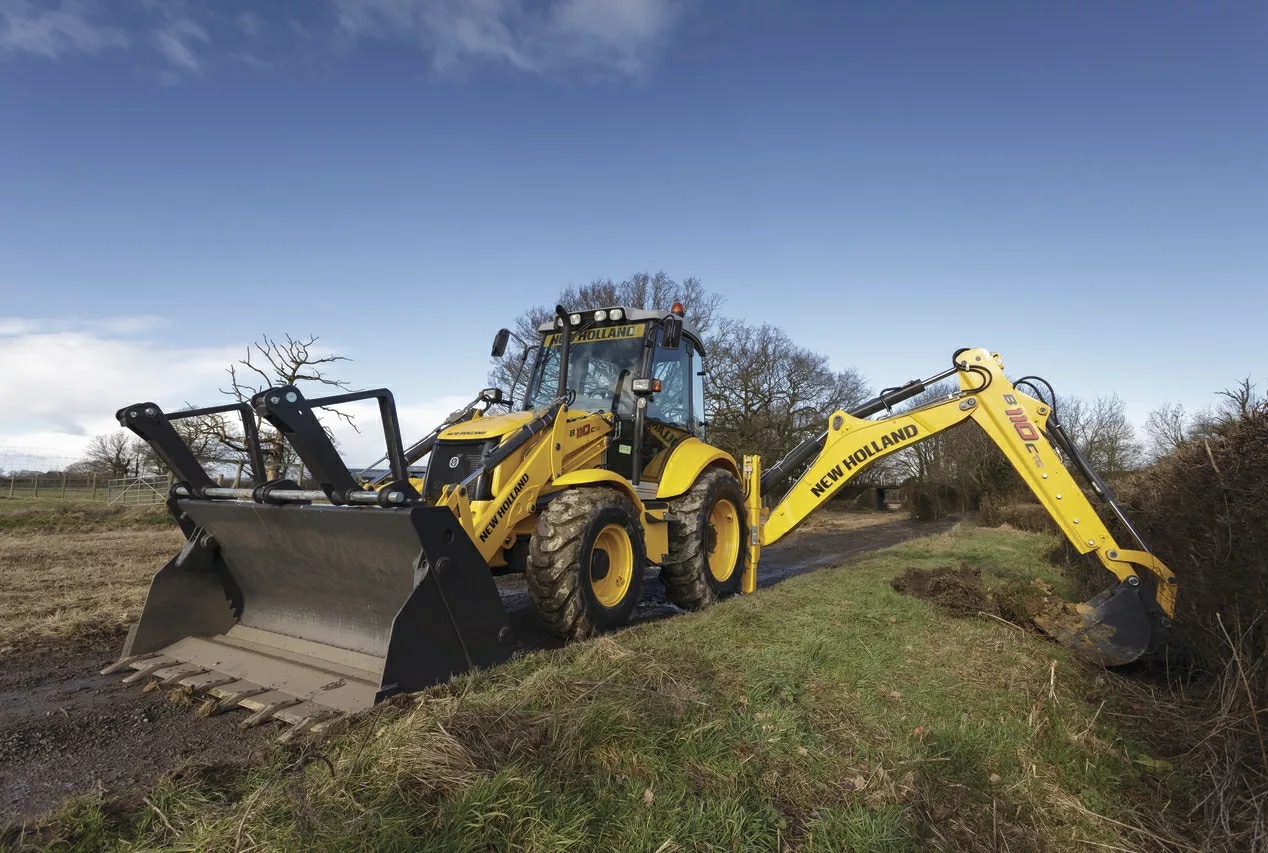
66, 730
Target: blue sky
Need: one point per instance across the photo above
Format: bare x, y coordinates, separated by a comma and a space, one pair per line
1082, 186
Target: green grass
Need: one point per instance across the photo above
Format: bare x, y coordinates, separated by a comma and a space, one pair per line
826, 714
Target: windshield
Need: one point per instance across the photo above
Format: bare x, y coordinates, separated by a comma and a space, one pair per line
597, 358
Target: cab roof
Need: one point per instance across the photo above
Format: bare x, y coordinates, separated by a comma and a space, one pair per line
632, 315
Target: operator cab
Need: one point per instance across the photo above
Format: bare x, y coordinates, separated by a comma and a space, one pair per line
620, 359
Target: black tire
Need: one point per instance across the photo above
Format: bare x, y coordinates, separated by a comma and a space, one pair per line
686, 574
565, 569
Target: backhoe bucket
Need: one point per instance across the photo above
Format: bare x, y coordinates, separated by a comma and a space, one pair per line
302, 612
1112, 629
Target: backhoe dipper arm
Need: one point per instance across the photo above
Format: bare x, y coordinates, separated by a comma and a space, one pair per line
1128, 617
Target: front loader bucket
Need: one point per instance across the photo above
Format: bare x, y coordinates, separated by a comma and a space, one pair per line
1113, 628
302, 612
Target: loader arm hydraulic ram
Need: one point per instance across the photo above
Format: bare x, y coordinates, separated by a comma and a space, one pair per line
1113, 628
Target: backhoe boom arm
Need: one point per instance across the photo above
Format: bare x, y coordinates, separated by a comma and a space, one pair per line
1019, 425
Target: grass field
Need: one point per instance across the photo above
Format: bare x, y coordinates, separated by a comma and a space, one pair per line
828, 713
74, 570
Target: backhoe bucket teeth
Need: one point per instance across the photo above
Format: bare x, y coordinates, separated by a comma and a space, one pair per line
1112, 629
303, 612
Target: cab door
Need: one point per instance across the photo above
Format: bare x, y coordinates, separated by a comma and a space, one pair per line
667, 418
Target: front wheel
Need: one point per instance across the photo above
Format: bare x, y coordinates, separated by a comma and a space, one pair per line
586, 561
708, 542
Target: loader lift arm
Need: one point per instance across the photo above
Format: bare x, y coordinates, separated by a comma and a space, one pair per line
1113, 628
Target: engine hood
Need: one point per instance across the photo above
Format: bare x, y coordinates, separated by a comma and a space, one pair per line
488, 427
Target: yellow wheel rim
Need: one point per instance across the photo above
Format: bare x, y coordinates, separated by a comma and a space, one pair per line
724, 540
611, 565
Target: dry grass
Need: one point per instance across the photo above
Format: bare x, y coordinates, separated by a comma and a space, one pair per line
848, 520
73, 572
77, 584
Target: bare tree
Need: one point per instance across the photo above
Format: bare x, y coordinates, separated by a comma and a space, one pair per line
268, 363
1241, 401
956, 467
765, 394
641, 290
201, 436
1100, 429
113, 454
1167, 427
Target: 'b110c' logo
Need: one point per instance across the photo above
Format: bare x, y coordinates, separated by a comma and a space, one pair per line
1025, 429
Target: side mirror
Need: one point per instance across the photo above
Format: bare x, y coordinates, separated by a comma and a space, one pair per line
492, 395
671, 332
500, 341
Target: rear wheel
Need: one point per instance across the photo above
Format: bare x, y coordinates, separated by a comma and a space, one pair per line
708, 539
585, 563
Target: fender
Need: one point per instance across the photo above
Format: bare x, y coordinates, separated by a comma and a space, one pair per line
687, 462
599, 477
655, 528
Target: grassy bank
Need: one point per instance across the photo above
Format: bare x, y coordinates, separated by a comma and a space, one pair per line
828, 713
70, 517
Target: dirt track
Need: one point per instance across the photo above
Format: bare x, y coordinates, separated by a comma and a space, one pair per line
66, 730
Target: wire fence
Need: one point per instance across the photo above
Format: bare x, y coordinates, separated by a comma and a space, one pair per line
86, 488
31, 459
90, 488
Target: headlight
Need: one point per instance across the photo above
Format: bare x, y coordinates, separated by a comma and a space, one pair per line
575, 319
645, 386
616, 313
600, 316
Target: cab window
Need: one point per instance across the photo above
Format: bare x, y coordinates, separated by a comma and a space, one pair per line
698, 416
672, 404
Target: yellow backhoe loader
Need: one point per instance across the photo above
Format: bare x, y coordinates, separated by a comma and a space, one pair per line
301, 604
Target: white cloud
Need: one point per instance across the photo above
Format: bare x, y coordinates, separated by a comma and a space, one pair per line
622, 36
124, 325
55, 30
179, 40
63, 381
18, 326
548, 37
249, 23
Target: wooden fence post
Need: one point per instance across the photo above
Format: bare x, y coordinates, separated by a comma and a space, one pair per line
37, 485
13, 480
63, 485
94, 485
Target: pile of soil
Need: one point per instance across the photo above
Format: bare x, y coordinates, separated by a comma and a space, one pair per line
959, 591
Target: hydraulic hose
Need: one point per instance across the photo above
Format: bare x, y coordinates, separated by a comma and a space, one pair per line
774, 476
